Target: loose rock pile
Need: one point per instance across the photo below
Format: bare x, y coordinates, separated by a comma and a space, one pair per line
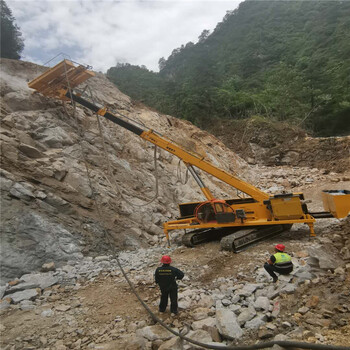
226, 310
281, 178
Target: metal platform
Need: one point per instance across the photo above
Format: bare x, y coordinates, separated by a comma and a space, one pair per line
57, 80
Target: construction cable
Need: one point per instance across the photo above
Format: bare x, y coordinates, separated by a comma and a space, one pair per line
117, 190
69, 90
284, 344
93, 100
179, 176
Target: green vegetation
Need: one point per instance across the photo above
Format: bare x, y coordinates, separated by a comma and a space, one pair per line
284, 60
11, 38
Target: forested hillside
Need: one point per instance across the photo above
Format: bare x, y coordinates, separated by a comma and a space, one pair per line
283, 60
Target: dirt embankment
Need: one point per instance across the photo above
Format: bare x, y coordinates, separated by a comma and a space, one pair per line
259, 141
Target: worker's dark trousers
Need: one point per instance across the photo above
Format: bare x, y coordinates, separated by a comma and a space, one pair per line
165, 293
271, 269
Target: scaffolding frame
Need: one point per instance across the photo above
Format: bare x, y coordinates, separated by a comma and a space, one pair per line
64, 76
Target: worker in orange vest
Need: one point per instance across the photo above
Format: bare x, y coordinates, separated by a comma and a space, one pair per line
165, 277
279, 262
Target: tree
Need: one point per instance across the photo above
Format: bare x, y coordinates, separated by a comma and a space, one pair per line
284, 60
204, 35
11, 38
161, 63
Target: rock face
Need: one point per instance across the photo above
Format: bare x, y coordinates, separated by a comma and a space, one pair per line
29, 240
49, 200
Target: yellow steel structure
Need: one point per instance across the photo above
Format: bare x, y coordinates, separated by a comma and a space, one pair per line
261, 209
55, 80
337, 202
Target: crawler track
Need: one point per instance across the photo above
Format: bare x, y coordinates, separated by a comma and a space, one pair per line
195, 237
243, 239
233, 238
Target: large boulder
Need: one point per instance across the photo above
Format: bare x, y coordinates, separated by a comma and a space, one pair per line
28, 294
207, 322
38, 280
246, 315
200, 336
256, 322
319, 257
173, 343
227, 324
262, 303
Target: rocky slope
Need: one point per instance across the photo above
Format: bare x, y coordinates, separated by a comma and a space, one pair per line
48, 201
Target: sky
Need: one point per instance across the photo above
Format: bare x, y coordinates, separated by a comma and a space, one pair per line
103, 33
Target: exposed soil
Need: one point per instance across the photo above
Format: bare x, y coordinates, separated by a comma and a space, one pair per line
260, 141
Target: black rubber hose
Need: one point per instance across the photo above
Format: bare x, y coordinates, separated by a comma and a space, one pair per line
282, 343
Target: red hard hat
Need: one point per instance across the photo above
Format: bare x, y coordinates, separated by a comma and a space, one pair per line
280, 247
166, 259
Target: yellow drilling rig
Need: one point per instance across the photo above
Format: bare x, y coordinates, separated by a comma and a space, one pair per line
238, 222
